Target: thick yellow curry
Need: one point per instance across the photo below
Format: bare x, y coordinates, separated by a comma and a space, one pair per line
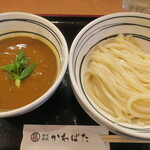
36, 83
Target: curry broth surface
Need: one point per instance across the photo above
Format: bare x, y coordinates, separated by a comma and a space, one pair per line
35, 84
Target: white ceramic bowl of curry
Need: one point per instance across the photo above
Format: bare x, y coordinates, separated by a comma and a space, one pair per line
33, 61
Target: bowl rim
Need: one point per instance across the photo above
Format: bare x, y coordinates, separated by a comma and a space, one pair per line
39, 101
82, 101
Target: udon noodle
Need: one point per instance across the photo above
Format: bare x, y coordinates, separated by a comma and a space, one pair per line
118, 80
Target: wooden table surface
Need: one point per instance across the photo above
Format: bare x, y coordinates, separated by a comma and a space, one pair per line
62, 7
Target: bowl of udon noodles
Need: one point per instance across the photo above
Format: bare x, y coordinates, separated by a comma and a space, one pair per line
33, 61
109, 67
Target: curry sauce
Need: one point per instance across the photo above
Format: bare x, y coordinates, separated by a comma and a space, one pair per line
36, 84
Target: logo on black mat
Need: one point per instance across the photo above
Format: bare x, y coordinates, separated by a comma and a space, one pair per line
35, 137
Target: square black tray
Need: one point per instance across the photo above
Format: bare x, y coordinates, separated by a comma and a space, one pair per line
62, 108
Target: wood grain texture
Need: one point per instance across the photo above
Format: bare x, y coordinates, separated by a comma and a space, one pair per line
62, 7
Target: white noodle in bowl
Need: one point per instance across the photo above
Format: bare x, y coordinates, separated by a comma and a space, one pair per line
99, 32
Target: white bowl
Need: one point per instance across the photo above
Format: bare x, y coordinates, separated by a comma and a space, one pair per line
99, 30
20, 23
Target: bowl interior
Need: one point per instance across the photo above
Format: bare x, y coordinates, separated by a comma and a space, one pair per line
98, 31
